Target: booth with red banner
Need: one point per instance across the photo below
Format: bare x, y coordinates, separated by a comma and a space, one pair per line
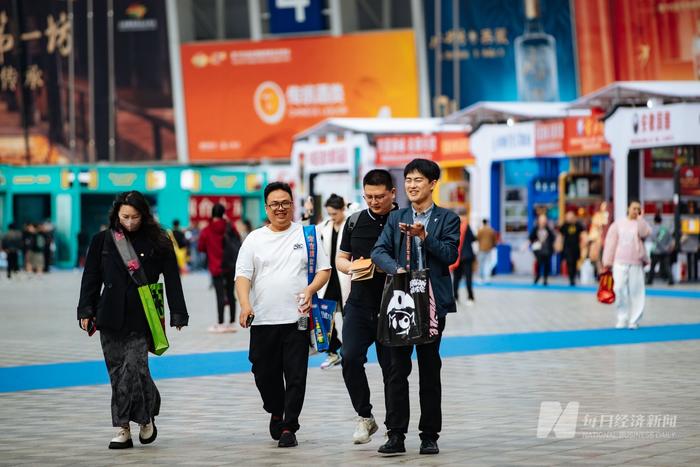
656, 151
539, 158
450, 150
333, 156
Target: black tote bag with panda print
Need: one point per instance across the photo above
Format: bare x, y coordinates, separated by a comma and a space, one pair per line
407, 315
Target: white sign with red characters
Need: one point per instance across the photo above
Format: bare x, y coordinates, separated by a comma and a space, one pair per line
666, 125
330, 157
402, 149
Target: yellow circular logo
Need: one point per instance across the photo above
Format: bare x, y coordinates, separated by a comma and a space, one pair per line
269, 102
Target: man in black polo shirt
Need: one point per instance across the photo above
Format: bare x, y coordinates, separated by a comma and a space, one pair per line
362, 307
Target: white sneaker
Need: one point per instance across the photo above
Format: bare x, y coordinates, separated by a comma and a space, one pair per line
148, 433
230, 327
217, 328
470, 303
621, 324
122, 440
366, 427
332, 360
633, 326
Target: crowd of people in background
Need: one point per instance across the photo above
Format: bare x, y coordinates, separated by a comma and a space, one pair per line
28, 249
579, 247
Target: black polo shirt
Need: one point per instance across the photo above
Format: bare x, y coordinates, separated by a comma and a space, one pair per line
359, 243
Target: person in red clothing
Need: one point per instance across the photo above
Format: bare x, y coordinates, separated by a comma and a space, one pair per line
220, 241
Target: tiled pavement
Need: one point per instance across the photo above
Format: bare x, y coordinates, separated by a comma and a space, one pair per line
491, 403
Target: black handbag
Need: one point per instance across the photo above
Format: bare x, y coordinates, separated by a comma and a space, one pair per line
407, 315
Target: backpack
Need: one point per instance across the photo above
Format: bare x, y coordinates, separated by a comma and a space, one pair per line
231, 244
40, 242
663, 241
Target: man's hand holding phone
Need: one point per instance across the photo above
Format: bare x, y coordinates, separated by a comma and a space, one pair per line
413, 230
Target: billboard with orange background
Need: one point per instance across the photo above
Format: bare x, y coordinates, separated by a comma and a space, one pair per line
247, 100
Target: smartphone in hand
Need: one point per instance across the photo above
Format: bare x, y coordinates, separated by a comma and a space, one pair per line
91, 328
249, 320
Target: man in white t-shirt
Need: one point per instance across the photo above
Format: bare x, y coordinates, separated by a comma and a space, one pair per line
271, 273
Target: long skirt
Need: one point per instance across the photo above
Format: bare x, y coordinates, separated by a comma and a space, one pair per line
135, 397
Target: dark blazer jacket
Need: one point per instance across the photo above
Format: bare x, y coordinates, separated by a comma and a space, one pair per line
547, 248
440, 247
105, 279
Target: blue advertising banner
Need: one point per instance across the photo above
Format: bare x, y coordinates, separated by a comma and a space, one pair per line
296, 16
500, 50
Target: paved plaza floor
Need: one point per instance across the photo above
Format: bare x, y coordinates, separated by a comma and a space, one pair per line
531, 376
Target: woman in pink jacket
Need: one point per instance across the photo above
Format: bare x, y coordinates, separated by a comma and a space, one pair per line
624, 251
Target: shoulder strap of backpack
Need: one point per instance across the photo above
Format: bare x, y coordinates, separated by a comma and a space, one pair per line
352, 220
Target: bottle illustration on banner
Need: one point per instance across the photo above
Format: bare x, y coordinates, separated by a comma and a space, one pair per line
536, 59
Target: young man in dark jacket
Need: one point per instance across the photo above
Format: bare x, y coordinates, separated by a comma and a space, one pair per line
434, 232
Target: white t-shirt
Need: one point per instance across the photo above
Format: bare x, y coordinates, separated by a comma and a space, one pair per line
276, 265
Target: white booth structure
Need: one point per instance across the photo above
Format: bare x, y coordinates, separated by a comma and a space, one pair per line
653, 128
334, 155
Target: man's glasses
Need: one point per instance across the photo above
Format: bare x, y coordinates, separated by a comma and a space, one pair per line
378, 198
277, 205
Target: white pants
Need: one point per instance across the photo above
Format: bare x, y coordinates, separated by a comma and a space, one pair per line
629, 292
485, 267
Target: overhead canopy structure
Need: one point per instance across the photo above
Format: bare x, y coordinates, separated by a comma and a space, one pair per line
373, 126
633, 93
499, 112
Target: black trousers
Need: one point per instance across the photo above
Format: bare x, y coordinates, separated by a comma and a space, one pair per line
12, 263
544, 264
464, 270
359, 332
665, 260
280, 357
571, 259
430, 388
224, 285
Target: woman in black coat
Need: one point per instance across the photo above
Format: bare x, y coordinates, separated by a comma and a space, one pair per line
109, 299
542, 245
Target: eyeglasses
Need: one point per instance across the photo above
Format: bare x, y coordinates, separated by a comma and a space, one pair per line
277, 205
370, 198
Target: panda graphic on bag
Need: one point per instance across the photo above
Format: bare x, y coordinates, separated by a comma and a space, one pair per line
401, 313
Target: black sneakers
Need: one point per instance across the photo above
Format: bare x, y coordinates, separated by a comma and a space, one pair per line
287, 440
275, 427
393, 446
429, 446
